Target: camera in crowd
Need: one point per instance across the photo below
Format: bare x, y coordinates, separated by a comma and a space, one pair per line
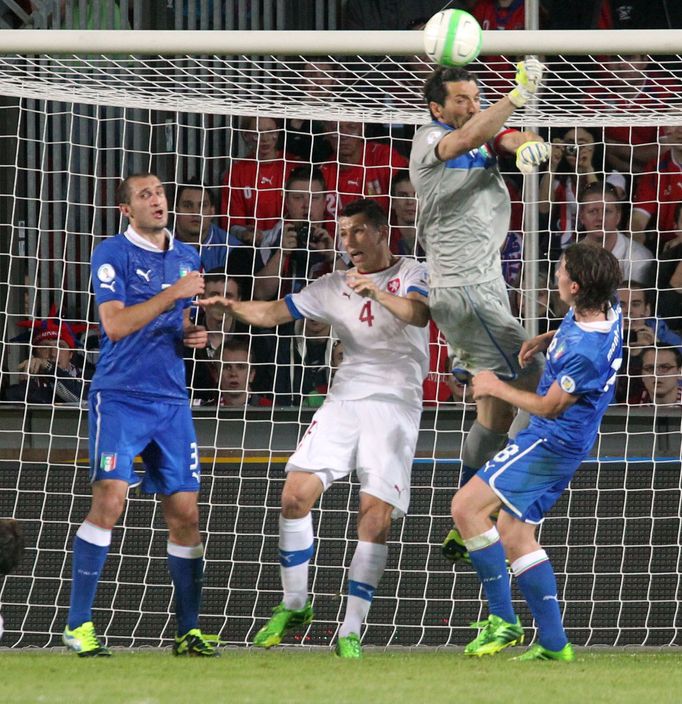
304, 236
571, 149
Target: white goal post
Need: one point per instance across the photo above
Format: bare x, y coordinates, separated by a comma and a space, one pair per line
80, 109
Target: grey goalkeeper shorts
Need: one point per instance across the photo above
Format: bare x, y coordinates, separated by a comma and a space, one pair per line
479, 327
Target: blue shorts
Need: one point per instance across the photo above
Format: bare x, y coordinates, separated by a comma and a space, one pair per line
528, 476
122, 427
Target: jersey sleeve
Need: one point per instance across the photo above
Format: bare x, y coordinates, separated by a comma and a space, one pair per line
416, 279
423, 152
579, 375
109, 272
310, 302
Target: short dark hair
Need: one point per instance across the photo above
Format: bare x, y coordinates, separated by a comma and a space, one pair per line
434, 86
367, 207
307, 174
220, 276
11, 544
597, 273
658, 348
195, 184
235, 344
123, 190
399, 176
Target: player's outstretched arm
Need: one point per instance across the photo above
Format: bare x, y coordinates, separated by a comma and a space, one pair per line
486, 124
119, 321
411, 309
552, 405
263, 314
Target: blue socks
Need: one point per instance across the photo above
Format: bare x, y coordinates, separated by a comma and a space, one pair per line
186, 567
537, 583
90, 550
488, 558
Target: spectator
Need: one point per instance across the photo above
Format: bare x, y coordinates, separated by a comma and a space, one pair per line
361, 167
670, 276
194, 212
598, 218
220, 328
640, 330
300, 247
614, 14
658, 192
403, 220
252, 194
438, 384
572, 167
52, 373
550, 308
234, 374
661, 376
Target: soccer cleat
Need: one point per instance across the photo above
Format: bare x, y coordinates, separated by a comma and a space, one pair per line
454, 549
84, 641
496, 634
537, 652
348, 647
195, 644
281, 621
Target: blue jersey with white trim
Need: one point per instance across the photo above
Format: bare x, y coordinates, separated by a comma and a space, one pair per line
583, 359
148, 362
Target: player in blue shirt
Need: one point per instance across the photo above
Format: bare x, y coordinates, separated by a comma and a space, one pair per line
528, 476
144, 281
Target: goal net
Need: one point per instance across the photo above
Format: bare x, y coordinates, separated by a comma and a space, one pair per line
224, 134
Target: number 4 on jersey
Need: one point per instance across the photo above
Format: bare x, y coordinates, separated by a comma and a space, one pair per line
366, 314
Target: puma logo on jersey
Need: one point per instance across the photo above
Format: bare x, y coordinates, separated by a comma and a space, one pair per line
266, 179
346, 294
144, 274
196, 476
353, 182
109, 286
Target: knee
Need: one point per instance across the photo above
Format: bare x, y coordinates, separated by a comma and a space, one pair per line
374, 524
459, 509
295, 504
183, 523
107, 507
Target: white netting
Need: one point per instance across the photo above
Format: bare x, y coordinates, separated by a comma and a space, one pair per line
77, 125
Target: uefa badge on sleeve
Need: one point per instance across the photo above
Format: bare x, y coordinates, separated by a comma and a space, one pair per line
184, 270
107, 462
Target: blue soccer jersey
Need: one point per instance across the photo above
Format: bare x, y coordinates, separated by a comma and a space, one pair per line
146, 363
583, 359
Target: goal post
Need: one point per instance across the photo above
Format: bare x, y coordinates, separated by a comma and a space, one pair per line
179, 104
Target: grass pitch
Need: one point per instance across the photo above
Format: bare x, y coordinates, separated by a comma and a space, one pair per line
299, 675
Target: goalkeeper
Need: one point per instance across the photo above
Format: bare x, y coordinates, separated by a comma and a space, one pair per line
464, 219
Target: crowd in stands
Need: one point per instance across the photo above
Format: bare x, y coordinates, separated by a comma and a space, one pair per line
270, 228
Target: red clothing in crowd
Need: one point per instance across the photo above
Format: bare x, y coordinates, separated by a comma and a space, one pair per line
253, 192
371, 178
435, 387
659, 190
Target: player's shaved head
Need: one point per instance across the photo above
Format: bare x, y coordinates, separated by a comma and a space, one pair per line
124, 190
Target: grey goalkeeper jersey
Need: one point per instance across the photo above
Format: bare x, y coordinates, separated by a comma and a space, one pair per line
464, 210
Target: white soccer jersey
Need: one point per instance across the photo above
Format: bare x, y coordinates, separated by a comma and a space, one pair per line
382, 355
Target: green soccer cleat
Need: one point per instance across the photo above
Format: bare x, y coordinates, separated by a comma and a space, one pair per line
537, 652
281, 621
84, 641
454, 549
195, 644
348, 647
496, 634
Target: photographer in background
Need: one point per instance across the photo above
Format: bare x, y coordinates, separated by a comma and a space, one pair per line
300, 247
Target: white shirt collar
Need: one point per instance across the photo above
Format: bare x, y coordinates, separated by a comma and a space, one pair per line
600, 325
144, 243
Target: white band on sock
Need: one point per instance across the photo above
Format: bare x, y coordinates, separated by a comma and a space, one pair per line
478, 542
94, 534
525, 562
186, 552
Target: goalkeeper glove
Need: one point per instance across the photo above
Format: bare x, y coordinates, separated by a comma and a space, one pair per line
528, 77
532, 154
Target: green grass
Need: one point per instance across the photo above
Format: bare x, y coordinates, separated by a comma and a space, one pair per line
291, 675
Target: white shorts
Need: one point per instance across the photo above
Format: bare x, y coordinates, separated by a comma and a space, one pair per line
376, 438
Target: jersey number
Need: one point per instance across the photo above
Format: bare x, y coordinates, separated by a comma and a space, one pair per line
366, 314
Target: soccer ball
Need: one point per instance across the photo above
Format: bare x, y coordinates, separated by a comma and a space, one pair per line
452, 38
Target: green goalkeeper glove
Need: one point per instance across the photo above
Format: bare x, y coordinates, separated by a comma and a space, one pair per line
532, 154
528, 77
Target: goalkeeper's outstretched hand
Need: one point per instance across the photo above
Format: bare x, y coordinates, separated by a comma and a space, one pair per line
532, 154
528, 77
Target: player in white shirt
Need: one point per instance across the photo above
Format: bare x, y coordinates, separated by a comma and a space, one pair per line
369, 421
